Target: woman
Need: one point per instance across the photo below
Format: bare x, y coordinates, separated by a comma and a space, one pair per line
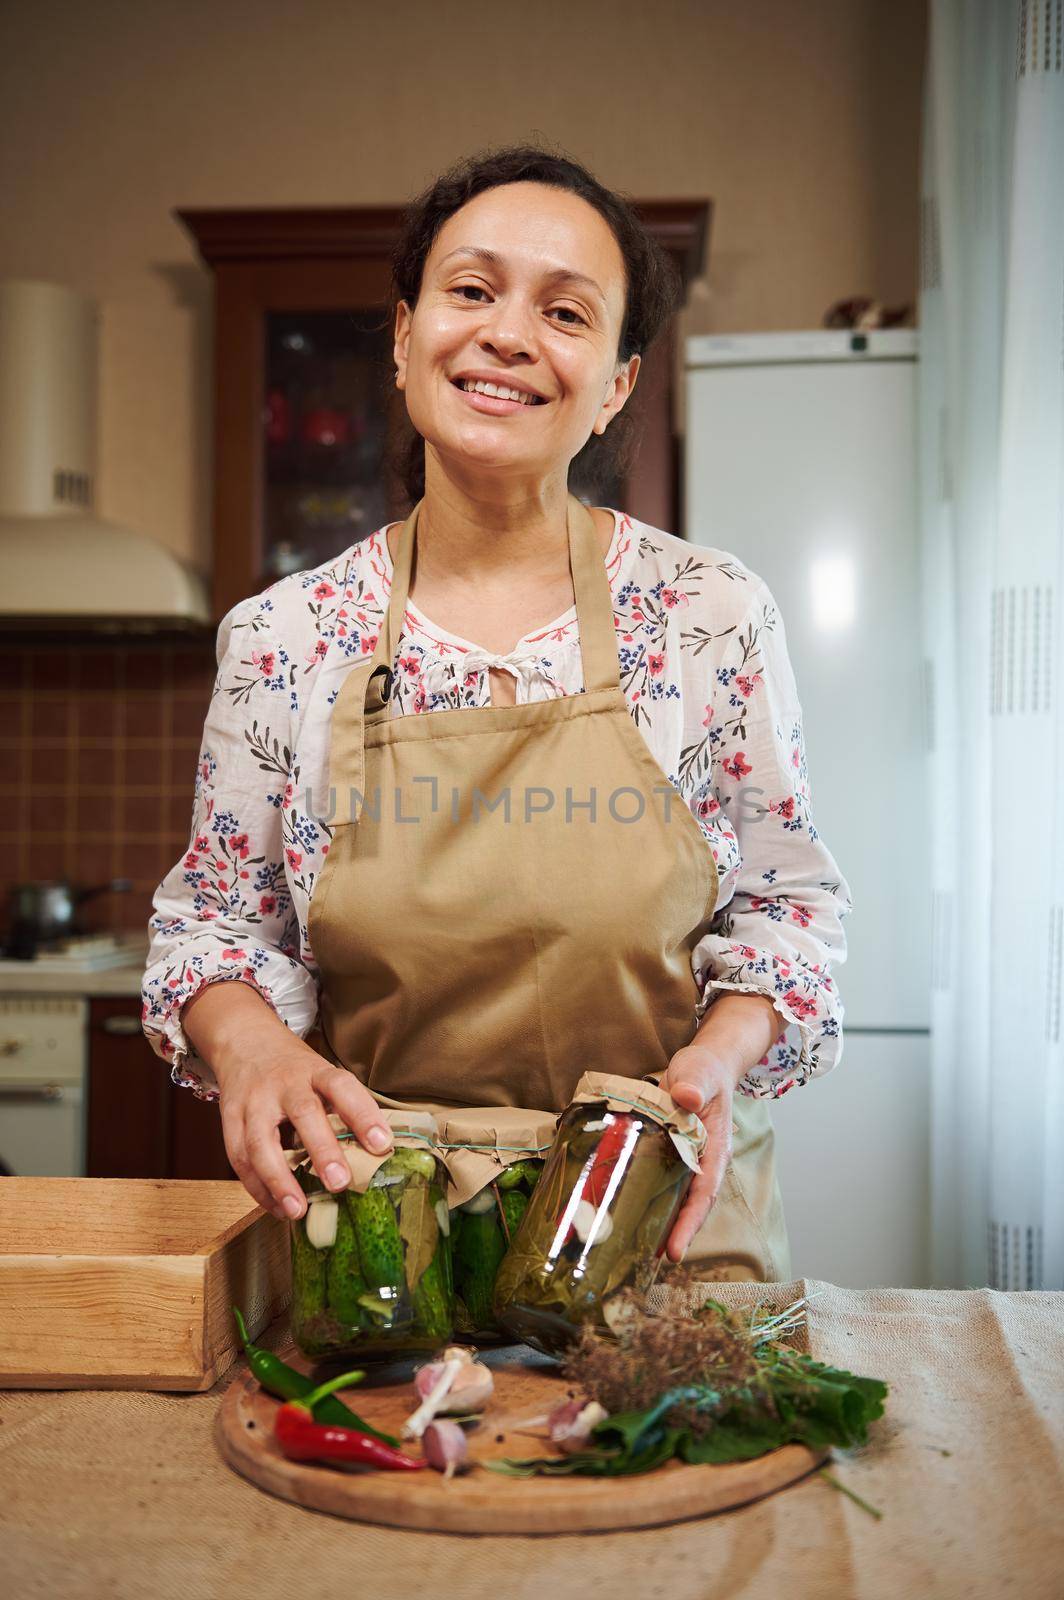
513, 788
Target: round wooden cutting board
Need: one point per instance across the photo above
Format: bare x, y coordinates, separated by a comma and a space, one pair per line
526, 1384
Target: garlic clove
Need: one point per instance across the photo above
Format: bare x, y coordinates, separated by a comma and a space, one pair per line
571, 1424
445, 1448
593, 1224
321, 1220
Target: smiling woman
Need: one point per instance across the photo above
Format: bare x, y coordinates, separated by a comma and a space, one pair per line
527, 902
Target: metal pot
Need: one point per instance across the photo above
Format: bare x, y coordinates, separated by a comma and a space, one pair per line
43, 913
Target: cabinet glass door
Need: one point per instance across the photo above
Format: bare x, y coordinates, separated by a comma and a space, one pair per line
327, 410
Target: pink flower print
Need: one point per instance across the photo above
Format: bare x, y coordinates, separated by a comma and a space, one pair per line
795, 760
627, 637
747, 685
249, 973
670, 598
801, 915
223, 884
411, 665
708, 806
656, 663
317, 652
469, 680
757, 901
201, 842
266, 662
205, 774
240, 844
289, 791
637, 614
324, 591
421, 699
369, 643
268, 905
738, 766
800, 1004
747, 952
294, 859
707, 720
784, 808
234, 955
191, 861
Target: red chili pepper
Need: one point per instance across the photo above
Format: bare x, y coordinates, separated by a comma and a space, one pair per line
606, 1155
303, 1439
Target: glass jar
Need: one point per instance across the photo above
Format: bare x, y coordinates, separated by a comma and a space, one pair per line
494, 1156
371, 1266
600, 1215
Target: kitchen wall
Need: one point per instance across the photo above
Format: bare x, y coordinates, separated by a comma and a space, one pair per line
99, 748
801, 121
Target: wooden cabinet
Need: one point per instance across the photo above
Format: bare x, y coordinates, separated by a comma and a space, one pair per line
304, 398
138, 1124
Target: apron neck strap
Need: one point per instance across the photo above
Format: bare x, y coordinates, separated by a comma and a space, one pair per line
591, 588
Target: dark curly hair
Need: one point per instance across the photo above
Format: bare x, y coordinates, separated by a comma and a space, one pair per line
653, 288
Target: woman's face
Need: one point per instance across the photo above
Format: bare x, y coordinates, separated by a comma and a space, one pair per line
524, 286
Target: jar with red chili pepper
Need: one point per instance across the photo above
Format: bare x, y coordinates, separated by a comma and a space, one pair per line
598, 1219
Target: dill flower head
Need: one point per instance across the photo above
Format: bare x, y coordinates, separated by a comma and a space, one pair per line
645, 1354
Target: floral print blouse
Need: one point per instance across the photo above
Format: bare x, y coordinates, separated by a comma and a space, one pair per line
707, 678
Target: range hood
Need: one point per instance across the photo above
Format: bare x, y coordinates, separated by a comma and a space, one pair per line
61, 564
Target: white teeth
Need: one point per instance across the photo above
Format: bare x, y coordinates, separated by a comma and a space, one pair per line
480, 387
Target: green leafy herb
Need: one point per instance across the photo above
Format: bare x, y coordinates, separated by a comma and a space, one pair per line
703, 1387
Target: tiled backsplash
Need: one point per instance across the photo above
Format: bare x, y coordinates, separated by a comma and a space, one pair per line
99, 743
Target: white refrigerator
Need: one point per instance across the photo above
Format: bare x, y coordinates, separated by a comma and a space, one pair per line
800, 458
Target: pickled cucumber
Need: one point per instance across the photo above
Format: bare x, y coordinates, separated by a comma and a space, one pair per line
344, 1281
421, 1162
513, 1206
380, 1255
432, 1311
519, 1172
478, 1255
308, 1275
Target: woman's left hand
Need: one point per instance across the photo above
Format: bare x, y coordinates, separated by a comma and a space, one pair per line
701, 1082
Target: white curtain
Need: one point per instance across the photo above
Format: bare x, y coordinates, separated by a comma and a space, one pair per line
992, 510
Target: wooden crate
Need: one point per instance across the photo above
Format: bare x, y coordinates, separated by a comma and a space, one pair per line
128, 1283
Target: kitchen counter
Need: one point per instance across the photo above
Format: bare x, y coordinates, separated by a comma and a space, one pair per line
125, 1494
37, 978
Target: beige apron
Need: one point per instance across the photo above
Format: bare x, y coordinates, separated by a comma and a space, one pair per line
517, 901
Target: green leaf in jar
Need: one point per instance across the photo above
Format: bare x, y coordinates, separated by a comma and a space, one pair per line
419, 1230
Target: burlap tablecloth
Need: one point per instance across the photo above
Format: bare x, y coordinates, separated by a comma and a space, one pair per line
116, 1494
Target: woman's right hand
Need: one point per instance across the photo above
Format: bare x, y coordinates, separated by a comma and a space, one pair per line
266, 1076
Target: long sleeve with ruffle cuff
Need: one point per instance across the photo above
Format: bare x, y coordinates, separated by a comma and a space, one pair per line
803, 994
180, 966
224, 911
778, 928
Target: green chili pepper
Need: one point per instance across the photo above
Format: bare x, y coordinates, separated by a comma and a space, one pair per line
286, 1383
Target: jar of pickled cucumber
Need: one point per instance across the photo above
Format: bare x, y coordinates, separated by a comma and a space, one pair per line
494, 1156
599, 1217
371, 1265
